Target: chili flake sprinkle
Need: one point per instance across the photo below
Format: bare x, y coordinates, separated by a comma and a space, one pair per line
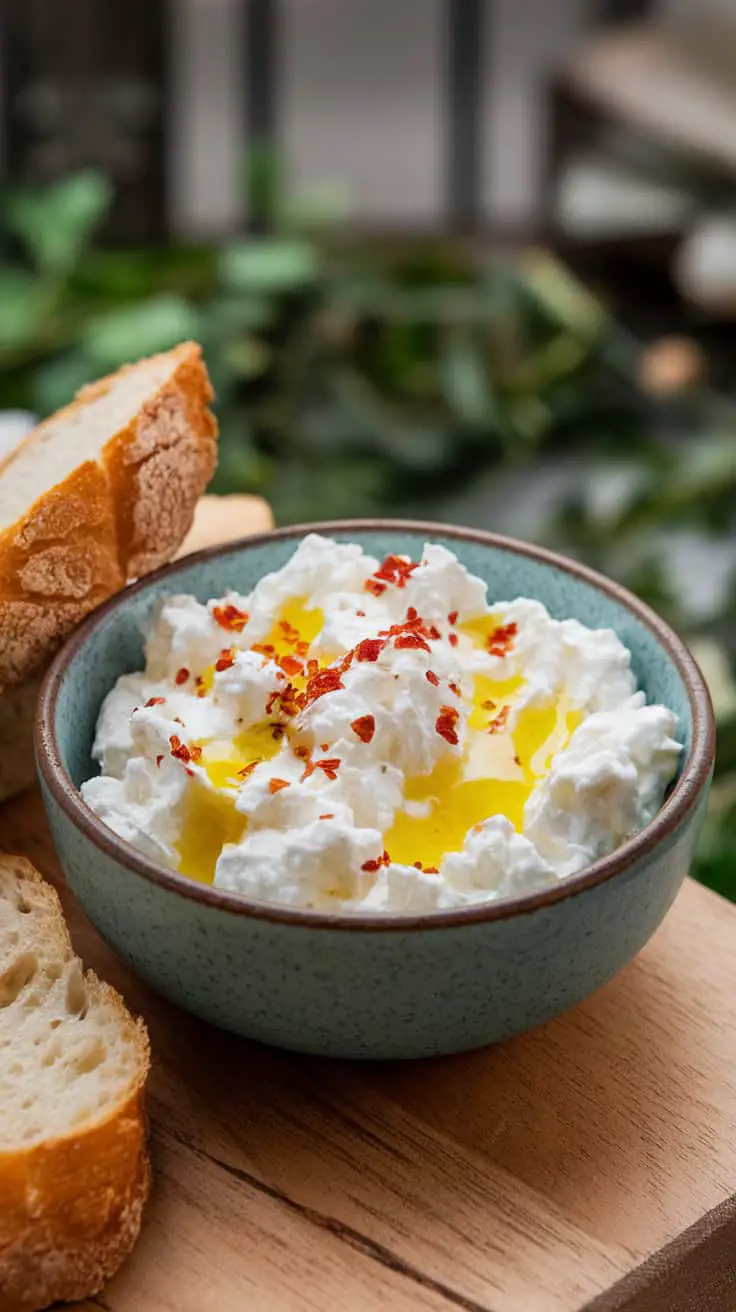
395, 570
275, 785
225, 659
322, 683
181, 675
501, 641
229, 617
452, 617
329, 765
411, 640
369, 649
364, 727
328, 815
501, 720
372, 866
154, 701
446, 723
431, 677
291, 665
452, 639
159, 759
248, 769
182, 752
426, 870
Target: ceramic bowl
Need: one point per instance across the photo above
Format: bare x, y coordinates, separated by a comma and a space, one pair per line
379, 986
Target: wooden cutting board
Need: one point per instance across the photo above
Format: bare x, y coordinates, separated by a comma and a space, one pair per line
589, 1165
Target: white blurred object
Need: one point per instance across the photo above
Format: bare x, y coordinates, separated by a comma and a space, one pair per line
705, 265
595, 198
14, 424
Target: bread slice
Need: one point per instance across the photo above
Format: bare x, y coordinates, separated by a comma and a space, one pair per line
101, 492
74, 1171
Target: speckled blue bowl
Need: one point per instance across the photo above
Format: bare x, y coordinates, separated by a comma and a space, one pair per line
400, 986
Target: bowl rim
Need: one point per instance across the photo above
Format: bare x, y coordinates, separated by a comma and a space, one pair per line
681, 801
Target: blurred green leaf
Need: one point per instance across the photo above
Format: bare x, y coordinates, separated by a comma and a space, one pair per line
466, 384
269, 265
56, 224
24, 305
124, 334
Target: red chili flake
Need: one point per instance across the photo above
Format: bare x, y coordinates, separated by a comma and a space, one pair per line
371, 866
412, 614
312, 668
290, 701
364, 727
445, 724
159, 759
229, 617
291, 664
154, 701
324, 747
501, 640
302, 752
189, 772
452, 617
182, 675
452, 639
431, 677
275, 785
411, 640
248, 769
369, 649
328, 815
277, 731
361, 613
454, 688
264, 648
372, 585
430, 870
290, 633
324, 682
302, 648
225, 659
396, 570
199, 685
417, 865
330, 765
500, 721
182, 752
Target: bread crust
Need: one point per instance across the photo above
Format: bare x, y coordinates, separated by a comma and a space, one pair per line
111, 520
71, 1206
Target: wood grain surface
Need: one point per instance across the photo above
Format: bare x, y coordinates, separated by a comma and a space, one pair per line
534, 1177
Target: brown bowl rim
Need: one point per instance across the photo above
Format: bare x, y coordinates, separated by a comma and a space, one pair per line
693, 779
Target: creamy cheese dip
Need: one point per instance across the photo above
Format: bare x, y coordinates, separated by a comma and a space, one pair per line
369, 735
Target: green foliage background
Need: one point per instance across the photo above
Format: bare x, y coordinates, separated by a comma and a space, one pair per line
420, 379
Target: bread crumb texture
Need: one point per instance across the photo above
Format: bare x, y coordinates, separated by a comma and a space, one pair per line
133, 453
74, 1170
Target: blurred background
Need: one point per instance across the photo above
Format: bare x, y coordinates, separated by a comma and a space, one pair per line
466, 259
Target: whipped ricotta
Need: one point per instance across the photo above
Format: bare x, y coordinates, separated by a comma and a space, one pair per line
373, 736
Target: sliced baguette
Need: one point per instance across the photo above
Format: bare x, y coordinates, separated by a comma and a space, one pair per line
101, 492
74, 1171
